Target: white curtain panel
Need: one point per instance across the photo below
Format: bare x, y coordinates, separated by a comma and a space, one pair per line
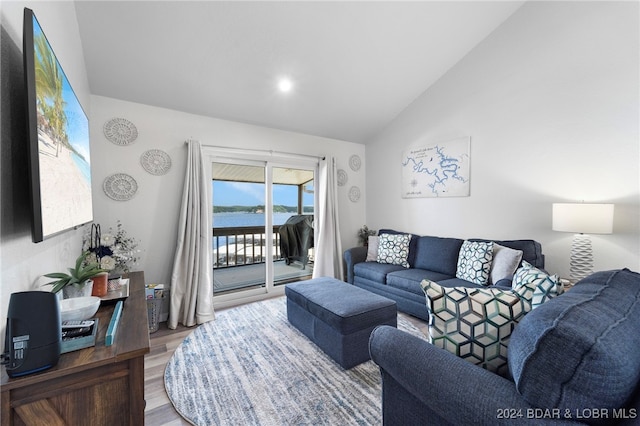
191, 284
328, 249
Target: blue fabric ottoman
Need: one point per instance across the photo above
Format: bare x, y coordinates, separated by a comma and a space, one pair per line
338, 317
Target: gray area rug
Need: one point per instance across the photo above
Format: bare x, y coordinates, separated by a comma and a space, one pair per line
251, 367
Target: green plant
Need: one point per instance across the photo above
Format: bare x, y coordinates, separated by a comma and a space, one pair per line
76, 276
364, 233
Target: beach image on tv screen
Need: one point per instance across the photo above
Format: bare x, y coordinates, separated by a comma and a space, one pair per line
63, 144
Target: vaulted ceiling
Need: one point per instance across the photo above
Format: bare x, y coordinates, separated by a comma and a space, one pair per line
354, 66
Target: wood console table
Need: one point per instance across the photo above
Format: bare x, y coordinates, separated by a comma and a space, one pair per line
101, 385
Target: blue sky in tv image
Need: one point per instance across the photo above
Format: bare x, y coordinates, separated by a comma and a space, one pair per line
77, 124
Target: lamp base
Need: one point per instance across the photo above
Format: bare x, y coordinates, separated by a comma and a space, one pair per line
581, 257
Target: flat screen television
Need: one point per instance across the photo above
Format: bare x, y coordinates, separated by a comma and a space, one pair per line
58, 132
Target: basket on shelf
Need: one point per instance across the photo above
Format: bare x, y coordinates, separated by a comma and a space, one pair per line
154, 306
114, 283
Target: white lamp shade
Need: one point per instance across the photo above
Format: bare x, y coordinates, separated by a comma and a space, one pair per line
581, 218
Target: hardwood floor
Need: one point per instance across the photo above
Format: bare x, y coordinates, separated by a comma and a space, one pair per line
159, 411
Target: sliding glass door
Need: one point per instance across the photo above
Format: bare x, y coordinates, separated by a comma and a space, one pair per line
239, 221
263, 235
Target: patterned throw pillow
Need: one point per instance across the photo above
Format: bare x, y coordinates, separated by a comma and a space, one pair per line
394, 249
535, 286
474, 261
474, 324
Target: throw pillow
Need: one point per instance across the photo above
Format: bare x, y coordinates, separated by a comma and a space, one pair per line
394, 249
372, 249
505, 262
474, 261
473, 323
535, 286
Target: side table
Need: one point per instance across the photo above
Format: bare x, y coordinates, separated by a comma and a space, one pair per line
100, 385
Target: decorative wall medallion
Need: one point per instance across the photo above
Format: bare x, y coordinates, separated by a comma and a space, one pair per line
120, 187
120, 131
155, 161
342, 177
355, 162
354, 194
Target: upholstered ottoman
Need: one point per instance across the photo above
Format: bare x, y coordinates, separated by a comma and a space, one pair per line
338, 317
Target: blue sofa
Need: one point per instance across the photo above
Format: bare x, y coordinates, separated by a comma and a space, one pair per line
433, 258
573, 360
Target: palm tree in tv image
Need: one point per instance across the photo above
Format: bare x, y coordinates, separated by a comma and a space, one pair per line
52, 119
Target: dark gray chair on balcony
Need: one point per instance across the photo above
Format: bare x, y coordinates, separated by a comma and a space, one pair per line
296, 238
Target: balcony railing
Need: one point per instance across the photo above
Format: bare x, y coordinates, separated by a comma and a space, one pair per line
243, 245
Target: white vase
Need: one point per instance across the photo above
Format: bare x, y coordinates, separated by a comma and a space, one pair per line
77, 290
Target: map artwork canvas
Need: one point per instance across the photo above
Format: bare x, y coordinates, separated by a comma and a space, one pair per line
439, 170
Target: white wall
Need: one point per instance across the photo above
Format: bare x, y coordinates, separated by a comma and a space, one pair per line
21, 261
550, 101
151, 215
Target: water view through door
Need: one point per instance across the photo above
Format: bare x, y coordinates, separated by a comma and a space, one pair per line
262, 226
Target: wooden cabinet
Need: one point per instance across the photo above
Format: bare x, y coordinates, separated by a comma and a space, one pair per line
101, 385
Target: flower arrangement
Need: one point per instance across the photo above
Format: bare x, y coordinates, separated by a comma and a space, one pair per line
113, 251
363, 235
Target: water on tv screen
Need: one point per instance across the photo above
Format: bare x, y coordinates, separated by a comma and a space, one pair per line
59, 157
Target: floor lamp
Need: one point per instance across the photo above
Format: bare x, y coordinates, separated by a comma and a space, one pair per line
582, 219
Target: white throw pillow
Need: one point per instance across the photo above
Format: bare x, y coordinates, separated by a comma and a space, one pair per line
505, 262
372, 249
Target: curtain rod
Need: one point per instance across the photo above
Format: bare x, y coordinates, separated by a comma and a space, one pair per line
262, 151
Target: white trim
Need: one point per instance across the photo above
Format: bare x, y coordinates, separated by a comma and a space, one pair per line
222, 304
259, 153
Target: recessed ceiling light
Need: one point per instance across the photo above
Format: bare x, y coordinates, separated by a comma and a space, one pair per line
285, 85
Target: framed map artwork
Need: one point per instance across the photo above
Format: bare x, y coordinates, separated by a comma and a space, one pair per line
438, 170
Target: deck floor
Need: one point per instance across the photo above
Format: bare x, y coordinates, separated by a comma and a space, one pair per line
238, 277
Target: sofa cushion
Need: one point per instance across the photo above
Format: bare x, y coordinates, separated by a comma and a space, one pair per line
531, 249
409, 279
458, 282
437, 254
473, 323
474, 261
375, 271
535, 286
580, 350
394, 249
505, 263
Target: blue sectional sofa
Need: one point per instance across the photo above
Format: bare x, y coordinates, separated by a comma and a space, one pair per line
429, 257
573, 360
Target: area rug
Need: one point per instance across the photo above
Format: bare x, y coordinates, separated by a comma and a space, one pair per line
251, 367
